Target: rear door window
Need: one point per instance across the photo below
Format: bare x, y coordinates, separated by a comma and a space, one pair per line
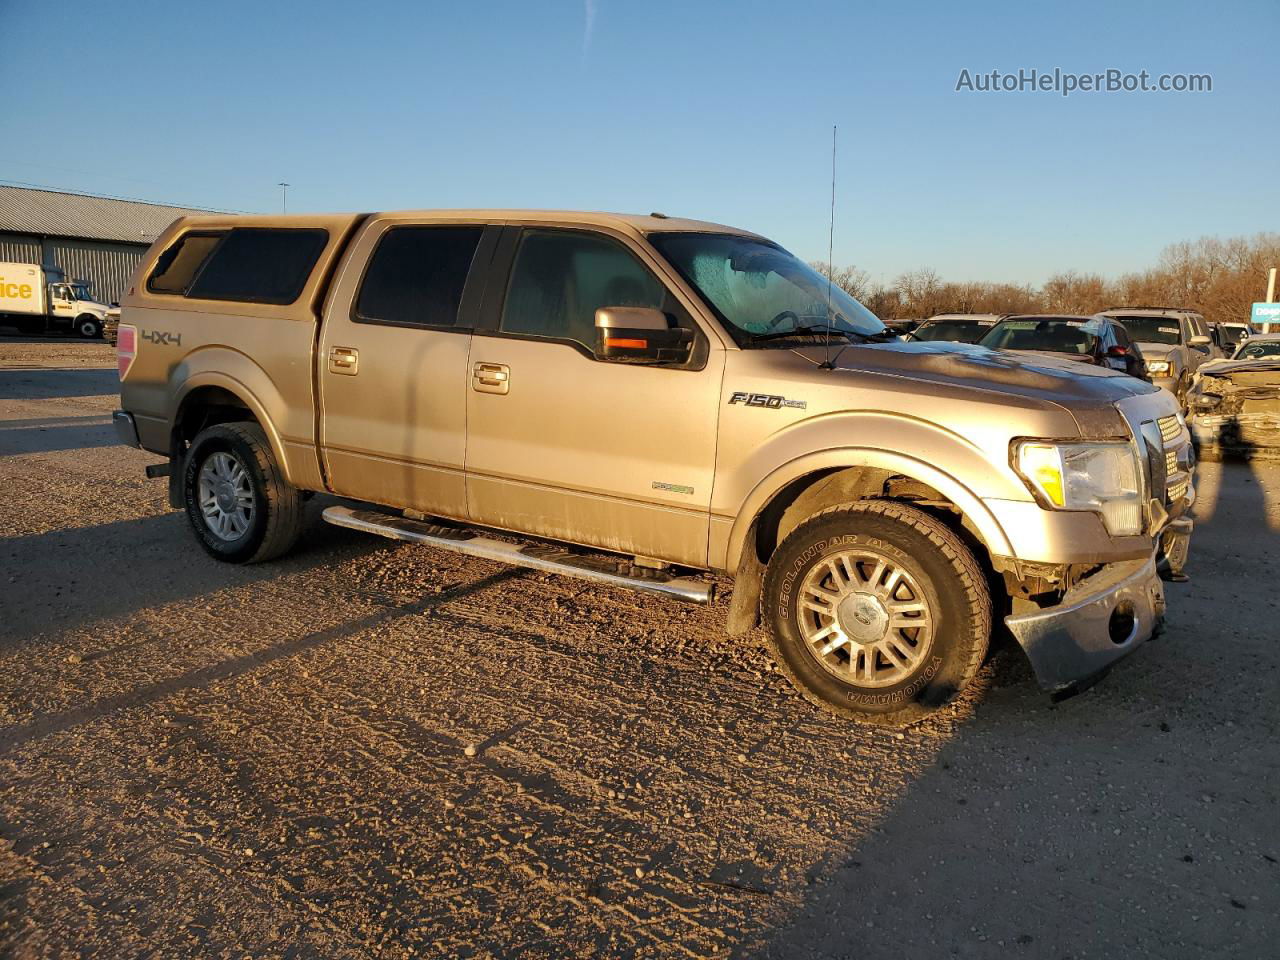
416, 276
260, 265
180, 263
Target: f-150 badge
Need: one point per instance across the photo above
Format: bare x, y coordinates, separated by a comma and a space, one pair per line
769, 400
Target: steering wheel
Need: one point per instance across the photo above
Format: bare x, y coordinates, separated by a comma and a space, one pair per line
784, 315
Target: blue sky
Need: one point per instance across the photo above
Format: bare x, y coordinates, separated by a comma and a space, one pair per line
721, 111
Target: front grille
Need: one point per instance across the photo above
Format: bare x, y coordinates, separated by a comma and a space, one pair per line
1178, 490
1170, 429
1170, 462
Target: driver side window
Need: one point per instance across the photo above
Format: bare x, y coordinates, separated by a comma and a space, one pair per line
560, 278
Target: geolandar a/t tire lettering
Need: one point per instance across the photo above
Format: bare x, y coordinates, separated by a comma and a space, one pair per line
877, 610
238, 503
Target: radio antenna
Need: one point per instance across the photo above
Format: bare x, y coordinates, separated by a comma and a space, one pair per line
831, 234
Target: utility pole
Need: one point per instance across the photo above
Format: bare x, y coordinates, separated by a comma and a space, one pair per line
1271, 294
284, 196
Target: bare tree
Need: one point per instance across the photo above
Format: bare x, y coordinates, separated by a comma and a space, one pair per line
1220, 278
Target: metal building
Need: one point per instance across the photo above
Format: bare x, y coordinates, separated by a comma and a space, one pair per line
97, 239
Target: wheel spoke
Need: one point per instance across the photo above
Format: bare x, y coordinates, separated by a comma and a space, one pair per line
835, 643
824, 596
877, 574
891, 653
908, 623
838, 579
908, 606
891, 584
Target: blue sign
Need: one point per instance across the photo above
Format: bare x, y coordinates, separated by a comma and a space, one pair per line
1265, 313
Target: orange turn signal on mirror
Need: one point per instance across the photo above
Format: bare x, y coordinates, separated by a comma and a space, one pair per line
626, 343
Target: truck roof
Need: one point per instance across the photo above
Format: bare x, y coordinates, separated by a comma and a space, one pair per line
644, 223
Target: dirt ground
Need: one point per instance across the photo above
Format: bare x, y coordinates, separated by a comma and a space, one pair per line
372, 749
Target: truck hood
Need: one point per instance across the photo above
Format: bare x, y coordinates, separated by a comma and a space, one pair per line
1257, 370
1037, 375
1089, 393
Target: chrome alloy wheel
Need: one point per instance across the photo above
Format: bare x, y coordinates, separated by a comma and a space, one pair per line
864, 618
225, 496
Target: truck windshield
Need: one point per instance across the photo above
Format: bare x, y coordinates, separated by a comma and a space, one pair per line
80, 291
955, 331
1151, 329
757, 289
1055, 336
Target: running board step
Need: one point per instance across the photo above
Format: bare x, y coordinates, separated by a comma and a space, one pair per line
616, 572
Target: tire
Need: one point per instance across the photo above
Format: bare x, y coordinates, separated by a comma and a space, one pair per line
227, 465
896, 673
88, 327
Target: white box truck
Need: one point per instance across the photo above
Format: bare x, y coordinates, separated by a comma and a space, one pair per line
38, 299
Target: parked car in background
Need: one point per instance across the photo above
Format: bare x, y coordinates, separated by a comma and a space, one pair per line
902, 327
1233, 333
111, 325
1235, 404
955, 327
1257, 347
1098, 340
1174, 343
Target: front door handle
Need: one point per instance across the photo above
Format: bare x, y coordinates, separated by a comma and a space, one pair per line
491, 378
344, 360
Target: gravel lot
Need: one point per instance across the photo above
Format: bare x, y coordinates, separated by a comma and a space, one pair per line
371, 749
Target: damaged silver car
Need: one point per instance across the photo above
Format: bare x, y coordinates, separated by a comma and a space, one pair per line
1235, 404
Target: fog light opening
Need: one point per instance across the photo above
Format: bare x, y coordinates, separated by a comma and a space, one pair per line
1122, 624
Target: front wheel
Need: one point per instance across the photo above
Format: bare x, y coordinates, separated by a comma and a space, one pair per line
877, 611
238, 503
89, 327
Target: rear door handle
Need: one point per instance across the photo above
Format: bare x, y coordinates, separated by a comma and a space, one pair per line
344, 360
491, 378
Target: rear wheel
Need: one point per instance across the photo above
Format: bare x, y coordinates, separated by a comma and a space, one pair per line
237, 501
877, 611
88, 327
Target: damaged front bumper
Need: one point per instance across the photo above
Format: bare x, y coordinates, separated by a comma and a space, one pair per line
1103, 618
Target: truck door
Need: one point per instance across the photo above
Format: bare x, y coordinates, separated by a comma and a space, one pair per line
562, 445
61, 304
393, 363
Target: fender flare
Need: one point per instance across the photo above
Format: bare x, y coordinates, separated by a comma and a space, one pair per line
209, 378
970, 504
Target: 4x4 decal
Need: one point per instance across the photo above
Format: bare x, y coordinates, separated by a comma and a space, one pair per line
772, 401
162, 337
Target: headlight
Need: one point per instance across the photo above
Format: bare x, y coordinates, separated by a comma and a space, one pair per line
1205, 401
1157, 366
1103, 477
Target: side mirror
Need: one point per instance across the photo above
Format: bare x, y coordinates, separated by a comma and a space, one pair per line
640, 335
1199, 341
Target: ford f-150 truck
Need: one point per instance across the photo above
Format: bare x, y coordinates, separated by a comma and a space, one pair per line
650, 402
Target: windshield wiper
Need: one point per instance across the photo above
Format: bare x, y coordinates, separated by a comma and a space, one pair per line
813, 331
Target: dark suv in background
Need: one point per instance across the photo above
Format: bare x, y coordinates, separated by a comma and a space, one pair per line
1097, 340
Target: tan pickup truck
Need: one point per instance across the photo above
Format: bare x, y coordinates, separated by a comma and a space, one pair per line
641, 401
